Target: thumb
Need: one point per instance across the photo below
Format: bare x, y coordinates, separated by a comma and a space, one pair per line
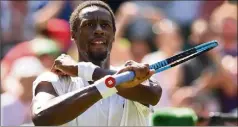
152, 71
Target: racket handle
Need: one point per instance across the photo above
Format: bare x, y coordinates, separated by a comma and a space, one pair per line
124, 77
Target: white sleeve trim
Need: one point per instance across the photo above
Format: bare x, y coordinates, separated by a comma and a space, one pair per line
85, 70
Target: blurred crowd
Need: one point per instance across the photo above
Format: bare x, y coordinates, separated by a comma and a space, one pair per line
34, 33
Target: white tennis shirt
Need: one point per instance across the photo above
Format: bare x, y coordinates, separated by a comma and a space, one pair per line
112, 111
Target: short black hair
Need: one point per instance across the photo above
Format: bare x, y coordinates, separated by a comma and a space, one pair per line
74, 18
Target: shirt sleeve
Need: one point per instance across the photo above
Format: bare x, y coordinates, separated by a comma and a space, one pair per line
61, 84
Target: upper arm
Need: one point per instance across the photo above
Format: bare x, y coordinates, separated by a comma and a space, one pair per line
153, 83
43, 92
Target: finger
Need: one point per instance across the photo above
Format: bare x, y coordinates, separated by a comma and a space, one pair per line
152, 71
147, 65
129, 63
58, 72
53, 70
125, 69
63, 55
120, 71
52, 67
57, 64
129, 68
142, 71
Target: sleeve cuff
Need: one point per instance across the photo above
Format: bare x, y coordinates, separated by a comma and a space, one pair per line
86, 69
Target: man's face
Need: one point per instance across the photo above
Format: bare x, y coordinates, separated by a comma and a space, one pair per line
95, 34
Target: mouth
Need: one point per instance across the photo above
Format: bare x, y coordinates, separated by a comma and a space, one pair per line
98, 43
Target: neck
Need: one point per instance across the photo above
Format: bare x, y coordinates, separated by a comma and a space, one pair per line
105, 64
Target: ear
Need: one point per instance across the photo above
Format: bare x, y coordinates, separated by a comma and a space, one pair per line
72, 37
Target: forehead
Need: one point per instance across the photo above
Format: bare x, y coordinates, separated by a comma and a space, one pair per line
93, 12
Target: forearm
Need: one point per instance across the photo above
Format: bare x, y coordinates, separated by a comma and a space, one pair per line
149, 95
65, 108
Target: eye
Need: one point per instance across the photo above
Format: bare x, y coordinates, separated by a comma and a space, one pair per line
105, 25
89, 24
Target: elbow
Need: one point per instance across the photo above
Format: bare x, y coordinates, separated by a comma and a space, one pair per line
38, 120
46, 118
41, 120
157, 95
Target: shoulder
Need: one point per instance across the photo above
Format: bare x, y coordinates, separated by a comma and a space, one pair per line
61, 84
47, 76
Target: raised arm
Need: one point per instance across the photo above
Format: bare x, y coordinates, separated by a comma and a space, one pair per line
151, 92
50, 109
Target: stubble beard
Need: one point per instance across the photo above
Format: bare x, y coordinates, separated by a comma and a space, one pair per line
97, 56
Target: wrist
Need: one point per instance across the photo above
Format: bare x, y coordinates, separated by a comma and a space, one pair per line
106, 86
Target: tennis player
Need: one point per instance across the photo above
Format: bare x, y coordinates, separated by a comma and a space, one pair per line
68, 95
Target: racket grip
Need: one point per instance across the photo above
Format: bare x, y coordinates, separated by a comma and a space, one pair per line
124, 77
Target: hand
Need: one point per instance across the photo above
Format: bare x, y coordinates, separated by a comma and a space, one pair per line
142, 73
65, 65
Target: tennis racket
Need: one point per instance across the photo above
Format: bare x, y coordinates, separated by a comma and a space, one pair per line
167, 63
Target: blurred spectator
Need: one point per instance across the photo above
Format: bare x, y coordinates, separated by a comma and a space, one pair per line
16, 23
206, 83
114, 4
141, 37
19, 19
169, 42
134, 36
137, 11
181, 12
207, 7
54, 9
61, 34
226, 18
61, 9
226, 10
47, 45
205, 74
16, 102
193, 69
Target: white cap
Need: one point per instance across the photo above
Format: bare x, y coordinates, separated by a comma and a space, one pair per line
27, 66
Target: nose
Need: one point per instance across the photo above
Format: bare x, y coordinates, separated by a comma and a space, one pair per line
99, 30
